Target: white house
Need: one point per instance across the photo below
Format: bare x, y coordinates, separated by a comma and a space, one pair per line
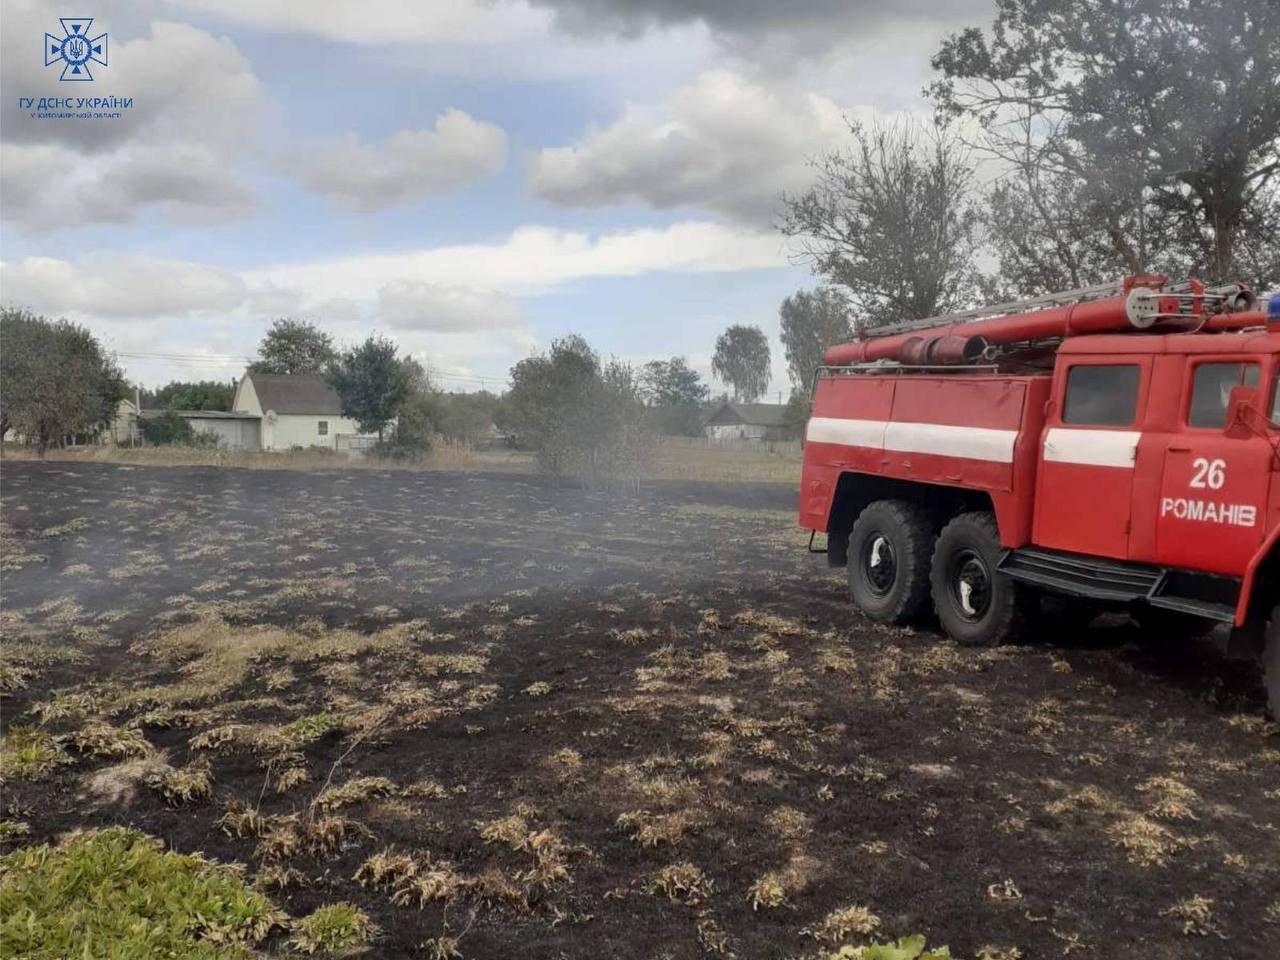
746, 421
297, 410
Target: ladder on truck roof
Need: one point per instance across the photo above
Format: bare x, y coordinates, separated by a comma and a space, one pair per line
1156, 284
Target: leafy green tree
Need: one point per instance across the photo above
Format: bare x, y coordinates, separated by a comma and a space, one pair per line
418, 414
467, 416
581, 417
55, 379
191, 395
812, 321
371, 382
892, 221
294, 346
166, 429
676, 394
741, 360
1153, 124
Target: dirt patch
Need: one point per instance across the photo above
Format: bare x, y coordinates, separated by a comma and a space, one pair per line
543, 722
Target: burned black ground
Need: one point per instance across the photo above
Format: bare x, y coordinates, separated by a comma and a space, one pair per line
675, 659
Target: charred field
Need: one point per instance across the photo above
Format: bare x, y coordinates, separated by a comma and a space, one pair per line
505, 718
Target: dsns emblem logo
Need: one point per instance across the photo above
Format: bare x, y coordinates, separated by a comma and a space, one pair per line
75, 50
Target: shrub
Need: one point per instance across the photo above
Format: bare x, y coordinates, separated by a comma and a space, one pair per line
27, 753
334, 929
583, 419
117, 893
166, 429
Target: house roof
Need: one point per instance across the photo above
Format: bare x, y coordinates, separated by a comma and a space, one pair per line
755, 414
202, 414
303, 393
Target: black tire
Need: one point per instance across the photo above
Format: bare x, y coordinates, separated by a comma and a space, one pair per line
977, 606
888, 563
1271, 664
1161, 626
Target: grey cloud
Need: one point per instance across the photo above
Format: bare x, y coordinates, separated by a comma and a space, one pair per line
411, 164
788, 23
196, 102
724, 143
412, 305
122, 286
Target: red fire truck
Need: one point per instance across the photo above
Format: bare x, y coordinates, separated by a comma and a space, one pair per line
1116, 447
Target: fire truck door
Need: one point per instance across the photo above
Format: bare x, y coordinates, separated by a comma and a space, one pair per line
1213, 495
1085, 478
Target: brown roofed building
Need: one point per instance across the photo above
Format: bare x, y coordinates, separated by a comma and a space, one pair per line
297, 410
747, 421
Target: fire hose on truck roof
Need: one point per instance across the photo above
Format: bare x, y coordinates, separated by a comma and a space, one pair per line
1136, 304
1111, 449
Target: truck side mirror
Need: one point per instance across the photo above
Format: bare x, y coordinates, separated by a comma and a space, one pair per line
1242, 406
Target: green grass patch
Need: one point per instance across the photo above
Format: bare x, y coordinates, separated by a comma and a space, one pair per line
27, 753
117, 894
333, 930
908, 948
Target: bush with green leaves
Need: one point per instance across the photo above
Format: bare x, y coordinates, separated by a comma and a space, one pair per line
56, 381
582, 418
334, 930
117, 895
908, 948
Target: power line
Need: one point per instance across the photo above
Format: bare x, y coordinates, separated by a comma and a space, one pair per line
196, 359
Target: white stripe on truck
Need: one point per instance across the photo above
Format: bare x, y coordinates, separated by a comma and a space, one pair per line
971, 443
1094, 448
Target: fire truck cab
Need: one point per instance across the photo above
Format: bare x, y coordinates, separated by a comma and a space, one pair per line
1113, 456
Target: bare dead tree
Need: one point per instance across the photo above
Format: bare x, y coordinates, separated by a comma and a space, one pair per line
891, 220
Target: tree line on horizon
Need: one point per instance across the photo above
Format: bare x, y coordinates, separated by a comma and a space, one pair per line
1148, 144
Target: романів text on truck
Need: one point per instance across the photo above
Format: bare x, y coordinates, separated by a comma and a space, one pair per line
1116, 448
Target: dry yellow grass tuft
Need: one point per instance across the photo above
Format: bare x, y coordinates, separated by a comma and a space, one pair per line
1196, 915
435, 881
100, 739
682, 883
768, 891
354, 791
385, 868
788, 823
839, 925
184, 785
1145, 842
1172, 798
653, 830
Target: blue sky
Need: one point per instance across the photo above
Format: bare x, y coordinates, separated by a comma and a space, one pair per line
472, 178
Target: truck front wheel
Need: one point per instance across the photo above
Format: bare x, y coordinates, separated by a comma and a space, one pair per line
1271, 664
977, 606
889, 561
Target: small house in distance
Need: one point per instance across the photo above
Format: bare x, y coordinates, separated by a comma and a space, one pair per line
746, 421
296, 410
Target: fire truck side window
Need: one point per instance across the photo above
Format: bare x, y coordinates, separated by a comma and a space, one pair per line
1211, 388
1102, 396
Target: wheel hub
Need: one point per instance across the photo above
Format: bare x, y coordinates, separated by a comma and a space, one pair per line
971, 585
881, 564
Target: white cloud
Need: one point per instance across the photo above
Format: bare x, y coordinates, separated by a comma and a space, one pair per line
119, 286
723, 143
443, 308
408, 165
196, 103
533, 259
386, 21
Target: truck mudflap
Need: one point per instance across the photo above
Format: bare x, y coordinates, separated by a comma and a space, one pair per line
1270, 548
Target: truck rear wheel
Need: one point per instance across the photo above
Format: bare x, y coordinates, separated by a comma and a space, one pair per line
977, 606
1271, 664
889, 561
